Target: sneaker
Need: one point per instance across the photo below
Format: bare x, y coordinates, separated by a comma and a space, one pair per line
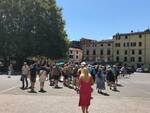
56, 86
26, 88
51, 84
32, 91
22, 88
42, 91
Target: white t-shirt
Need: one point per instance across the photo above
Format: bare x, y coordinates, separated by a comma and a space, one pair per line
25, 70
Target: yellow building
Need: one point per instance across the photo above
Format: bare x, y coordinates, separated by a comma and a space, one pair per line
132, 48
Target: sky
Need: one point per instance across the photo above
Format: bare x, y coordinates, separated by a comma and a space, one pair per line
101, 19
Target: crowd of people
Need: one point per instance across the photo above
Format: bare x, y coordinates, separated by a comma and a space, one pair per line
79, 77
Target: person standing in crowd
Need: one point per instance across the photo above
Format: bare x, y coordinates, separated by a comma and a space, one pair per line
65, 73
33, 73
42, 77
51, 77
93, 72
75, 75
10, 70
100, 80
110, 78
122, 71
55, 73
115, 71
51, 82
85, 83
24, 75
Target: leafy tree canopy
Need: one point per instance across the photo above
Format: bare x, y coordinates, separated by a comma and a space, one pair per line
31, 28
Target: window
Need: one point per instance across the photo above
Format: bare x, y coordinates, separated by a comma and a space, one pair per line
71, 56
126, 52
77, 57
131, 44
117, 52
94, 52
140, 52
118, 37
117, 59
124, 44
109, 44
87, 52
132, 59
76, 52
125, 59
101, 44
126, 37
140, 59
133, 52
117, 44
101, 52
127, 44
71, 51
108, 52
140, 35
140, 43
134, 44
108, 59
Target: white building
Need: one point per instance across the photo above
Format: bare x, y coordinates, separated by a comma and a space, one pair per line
75, 55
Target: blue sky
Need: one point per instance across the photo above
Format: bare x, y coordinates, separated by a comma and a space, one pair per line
101, 19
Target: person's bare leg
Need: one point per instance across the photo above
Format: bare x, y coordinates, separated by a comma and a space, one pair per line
86, 109
41, 85
32, 86
83, 109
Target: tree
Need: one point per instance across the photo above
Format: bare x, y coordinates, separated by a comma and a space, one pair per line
32, 28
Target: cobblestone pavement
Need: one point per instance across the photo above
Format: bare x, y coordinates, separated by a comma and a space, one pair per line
133, 96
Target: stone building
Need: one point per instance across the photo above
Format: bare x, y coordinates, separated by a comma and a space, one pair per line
97, 51
132, 48
75, 55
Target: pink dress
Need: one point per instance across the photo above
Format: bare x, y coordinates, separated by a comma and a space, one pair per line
85, 92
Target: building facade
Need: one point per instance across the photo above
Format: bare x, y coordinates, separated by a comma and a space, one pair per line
75, 55
97, 51
126, 48
132, 48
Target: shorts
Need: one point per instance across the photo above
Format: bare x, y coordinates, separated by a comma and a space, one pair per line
56, 77
33, 78
66, 76
50, 77
42, 78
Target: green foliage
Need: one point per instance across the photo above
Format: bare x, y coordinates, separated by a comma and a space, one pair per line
32, 28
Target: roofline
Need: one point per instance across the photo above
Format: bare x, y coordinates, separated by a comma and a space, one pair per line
133, 33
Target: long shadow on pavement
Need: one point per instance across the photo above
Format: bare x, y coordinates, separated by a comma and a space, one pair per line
116, 90
105, 94
120, 85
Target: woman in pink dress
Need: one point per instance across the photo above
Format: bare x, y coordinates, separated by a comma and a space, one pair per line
85, 82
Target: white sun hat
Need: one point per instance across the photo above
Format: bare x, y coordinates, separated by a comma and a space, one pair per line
83, 63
